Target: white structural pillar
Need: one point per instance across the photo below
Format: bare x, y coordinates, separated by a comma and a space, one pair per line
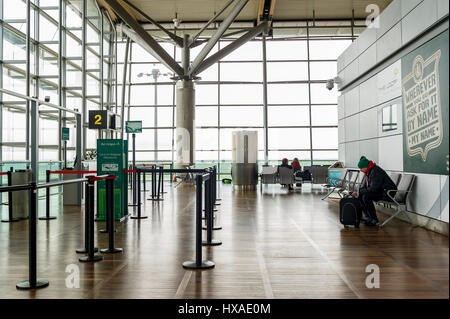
185, 113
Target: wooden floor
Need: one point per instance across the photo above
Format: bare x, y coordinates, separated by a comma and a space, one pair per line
275, 245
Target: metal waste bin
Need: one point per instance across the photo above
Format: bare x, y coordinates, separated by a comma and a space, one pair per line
71, 192
20, 199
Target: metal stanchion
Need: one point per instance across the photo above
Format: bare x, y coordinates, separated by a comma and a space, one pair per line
86, 223
139, 215
33, 282
217, 199
110, 217
10, 219
198, 263
89, 207
209, 214
47, 199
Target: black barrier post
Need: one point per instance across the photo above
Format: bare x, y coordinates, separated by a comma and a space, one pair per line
209, 214
47, 198
160, 177
134, 168
110, 217
89, 207
10, 219
144, 181
33, 282
139, 215
216, 198
198, 263
86, 223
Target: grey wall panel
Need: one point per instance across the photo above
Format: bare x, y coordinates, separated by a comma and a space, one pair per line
351, 53
425, 196
408, 5
341, 131
442, 8
390, 152
389, 17
369, 148
366, 39
389, 83
389, 42
352, 128
418, 20
351, 72
368, 124
352, 102
444, 198
368, 94
341, 106
340, 63
352, 154
368, 59
341, 153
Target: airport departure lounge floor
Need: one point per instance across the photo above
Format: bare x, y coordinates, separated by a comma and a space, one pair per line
275, 245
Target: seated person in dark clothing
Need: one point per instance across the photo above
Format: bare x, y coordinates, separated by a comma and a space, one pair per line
297, 169
284, 163
373, 188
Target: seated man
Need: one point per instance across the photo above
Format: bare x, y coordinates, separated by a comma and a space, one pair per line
284, 163
373, 188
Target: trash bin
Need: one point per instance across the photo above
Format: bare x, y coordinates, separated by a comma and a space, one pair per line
20, 199
71, 192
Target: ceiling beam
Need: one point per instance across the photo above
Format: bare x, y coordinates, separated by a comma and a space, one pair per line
140, 36
231, 47
220, 31
265, 11
178, 40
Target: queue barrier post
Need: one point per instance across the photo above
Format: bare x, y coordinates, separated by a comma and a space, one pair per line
47, 198
33, 282
139, 214
11, 218
90, 211
209, 214
198, 263
110, 216
87, 238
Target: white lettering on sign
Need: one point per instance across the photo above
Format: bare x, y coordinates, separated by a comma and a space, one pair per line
422, 106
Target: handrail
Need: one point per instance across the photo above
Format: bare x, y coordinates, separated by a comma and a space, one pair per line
40, 102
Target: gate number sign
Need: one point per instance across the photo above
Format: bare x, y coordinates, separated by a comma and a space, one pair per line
98, 120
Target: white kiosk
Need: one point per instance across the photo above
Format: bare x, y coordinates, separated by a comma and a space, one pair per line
244, 169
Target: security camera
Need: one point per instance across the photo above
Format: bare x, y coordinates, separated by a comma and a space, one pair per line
176, 22
331, 82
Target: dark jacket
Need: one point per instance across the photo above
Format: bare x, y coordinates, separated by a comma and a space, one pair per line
284, 165
377, 182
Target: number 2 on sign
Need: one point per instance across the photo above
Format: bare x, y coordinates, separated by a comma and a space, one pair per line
98, 119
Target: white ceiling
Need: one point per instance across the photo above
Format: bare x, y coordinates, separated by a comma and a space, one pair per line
203, 10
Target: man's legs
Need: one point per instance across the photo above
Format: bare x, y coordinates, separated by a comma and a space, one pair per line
368, 207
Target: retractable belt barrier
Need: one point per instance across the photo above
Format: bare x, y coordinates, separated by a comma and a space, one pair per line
33, 282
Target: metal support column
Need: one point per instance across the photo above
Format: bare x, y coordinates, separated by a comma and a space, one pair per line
34, 136
265, 110
83, 75
27, 79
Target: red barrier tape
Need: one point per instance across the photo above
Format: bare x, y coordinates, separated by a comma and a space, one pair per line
3, 173
96, 179
129, 171
73, 172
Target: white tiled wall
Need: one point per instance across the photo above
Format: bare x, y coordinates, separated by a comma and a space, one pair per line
360, 108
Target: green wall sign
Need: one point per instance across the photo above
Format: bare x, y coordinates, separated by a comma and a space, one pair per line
425, 89
112, 159
133, 127
65, 133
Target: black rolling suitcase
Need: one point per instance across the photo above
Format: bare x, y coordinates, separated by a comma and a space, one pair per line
350, 211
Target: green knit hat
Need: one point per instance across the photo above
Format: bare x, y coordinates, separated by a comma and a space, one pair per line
363, 162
